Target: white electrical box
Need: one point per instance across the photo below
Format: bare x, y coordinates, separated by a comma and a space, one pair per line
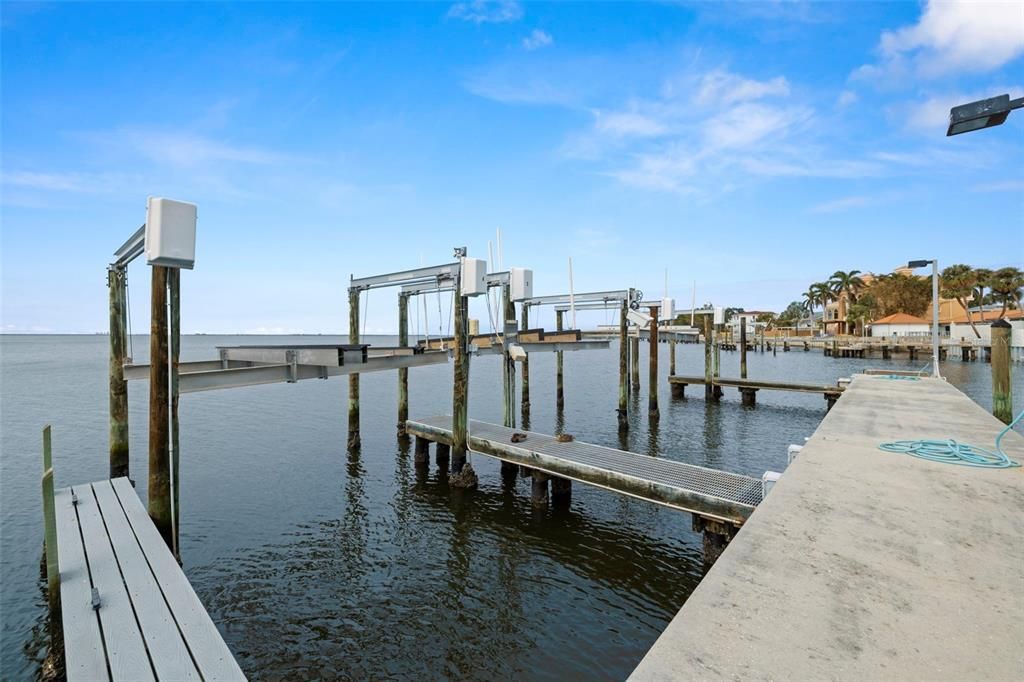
170, 233
474, 276
792, 451
768, 481
668, 309
719, 315
520, 283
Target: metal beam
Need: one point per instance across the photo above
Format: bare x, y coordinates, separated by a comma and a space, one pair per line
199, 376
494, 279
585, 297
328, 355
131, 249
436, 273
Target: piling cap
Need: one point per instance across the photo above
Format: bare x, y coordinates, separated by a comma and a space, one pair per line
1001, 322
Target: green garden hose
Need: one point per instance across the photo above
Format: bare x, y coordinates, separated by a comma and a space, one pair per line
952, 452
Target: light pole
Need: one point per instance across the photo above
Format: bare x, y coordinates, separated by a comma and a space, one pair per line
935, 309
984, 113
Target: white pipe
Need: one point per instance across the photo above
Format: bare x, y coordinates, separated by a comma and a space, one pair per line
501, 261
693, 303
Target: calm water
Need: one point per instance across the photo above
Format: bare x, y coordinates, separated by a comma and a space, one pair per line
316, 562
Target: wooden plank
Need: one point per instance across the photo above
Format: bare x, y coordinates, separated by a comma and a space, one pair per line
168, 653
83, 644
211, 655
126, 652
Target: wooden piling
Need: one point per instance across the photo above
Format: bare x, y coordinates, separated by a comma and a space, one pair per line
672, 355
525, 389
159, 503
118, 387
508, 377
174, 293
421, 451
652, 366
561, 492
353, 379
460, 394
709, 384
634, 361
743, 347
748, 397
559, 385
403, 372
50, 529
442, 455
1002, 394
623, 410
539, 489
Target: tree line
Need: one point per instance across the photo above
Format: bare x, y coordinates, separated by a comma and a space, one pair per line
882, 295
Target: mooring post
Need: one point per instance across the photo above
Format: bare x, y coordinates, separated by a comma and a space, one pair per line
672, 355
1002, 394
403, 372
508, 377
353, 379
460, 394
118, 388
717, 391
159, 503
652, 366
421, 451
634, 360
539, 489
561, 492
525, 397
559, 385
743, 347
50, 532
623, 410
174, 291
709, 383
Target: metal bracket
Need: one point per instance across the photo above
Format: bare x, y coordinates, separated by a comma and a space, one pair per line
459, 252
292, 358
96, 603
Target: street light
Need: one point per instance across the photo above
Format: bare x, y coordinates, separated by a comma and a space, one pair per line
914, 264
984, 113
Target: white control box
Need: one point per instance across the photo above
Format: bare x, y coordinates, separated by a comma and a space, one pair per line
668, 309
474, 276
520, 283
719, 315
170, 233
768, 481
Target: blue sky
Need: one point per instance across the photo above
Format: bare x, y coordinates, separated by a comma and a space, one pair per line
752, 147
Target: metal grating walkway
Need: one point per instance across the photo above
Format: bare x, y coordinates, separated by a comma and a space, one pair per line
706, 492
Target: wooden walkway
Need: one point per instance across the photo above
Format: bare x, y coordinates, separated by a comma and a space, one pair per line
128, 612
707, 493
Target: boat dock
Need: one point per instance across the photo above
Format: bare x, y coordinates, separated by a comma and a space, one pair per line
864, 564
707, 493
748, 388
128, 612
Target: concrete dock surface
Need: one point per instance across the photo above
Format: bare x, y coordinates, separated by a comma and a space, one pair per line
868, 565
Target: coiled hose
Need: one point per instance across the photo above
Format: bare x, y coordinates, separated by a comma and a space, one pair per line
952, 452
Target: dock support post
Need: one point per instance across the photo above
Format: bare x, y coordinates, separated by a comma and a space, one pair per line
623, 367
353, 379
539, 489
460, 393
743, 347
652, 366
561, 492
716, 537
672, 355
830, 401
403, 372
709, 383
559, 386
421, 452
634, 361
525, 408
50, 533
174, 289
1002, 395
118, 388
749, 397
508, 378
442, 455
159, 502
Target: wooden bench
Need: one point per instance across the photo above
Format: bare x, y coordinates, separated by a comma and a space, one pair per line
128, 611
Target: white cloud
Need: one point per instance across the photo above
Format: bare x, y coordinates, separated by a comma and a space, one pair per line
846, 98
1001, 186
628, 124
951, 37
723, 88
52, 182
486, 12
537, 39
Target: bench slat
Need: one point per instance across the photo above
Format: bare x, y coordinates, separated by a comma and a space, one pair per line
168, 652
126, 652
83, 645
211, 654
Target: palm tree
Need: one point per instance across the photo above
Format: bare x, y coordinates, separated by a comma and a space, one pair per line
958, 282
1006, 284
810, 301
847, 283
982, 277
822, 294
